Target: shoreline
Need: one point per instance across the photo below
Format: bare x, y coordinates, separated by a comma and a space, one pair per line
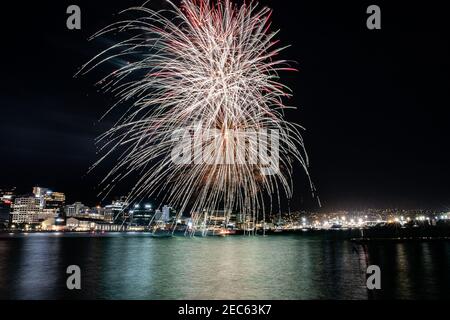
354, 235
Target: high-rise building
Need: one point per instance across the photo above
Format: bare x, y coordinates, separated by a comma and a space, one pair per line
5, 210
165, 214
6, 199
40, 192
52, 204
53, 200
26, 210
158, 215
116, 212
40, 206
141, 215
56, 196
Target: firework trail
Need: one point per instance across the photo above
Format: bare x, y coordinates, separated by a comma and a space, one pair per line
200, 67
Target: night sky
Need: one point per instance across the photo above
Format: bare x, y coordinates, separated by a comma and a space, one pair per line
375, 103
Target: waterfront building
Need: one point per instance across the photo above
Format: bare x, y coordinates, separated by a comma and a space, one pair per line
79, 210
6, 199
116, 211
165, 214
83, 224
52, 204
56, 197
43, 204
49, 199
80, 224
40, 192
75, 210
98, 210
158, 215
26, 210
141, 215
5, 210
92, 214
101, 226
47, 213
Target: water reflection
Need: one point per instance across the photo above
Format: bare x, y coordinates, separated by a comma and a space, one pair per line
121, 266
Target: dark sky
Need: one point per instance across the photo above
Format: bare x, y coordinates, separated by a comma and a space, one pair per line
375, 103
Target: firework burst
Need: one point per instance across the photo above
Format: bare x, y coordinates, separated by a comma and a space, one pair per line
200, 67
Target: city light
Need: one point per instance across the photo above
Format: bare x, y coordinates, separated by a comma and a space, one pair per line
48, 213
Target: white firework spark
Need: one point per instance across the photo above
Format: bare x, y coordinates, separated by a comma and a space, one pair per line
201, 66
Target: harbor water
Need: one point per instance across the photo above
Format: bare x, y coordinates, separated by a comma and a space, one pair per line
137, 266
